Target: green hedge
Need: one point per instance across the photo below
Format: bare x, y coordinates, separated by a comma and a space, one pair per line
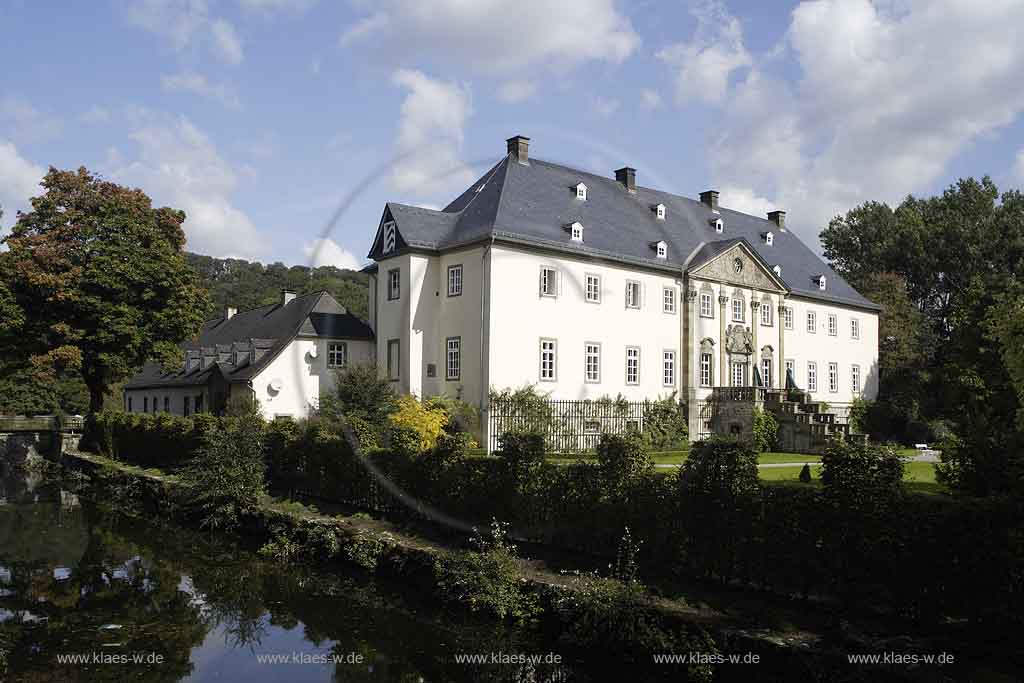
926, 557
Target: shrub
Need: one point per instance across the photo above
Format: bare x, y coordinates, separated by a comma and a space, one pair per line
463, 418
805, 474
403, 441
486, 579
857, 476
720, 467
765, 430
427, 422
359, 392
225, 479
627, 567
622, 461
366, 549
522, 456
665, 426
364, 434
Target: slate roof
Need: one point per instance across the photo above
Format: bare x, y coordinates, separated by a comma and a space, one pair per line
267, 329
533, 203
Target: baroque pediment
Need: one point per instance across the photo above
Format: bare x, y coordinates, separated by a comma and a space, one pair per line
738, 265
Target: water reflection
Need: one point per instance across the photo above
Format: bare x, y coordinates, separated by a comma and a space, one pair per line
121, 595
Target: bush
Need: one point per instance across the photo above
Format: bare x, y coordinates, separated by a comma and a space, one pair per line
364, 434
522, 456
805, 474
622, 460
361, 393
463, 418
427, 422
720, 467
765, 430
225, 479
487, 578
665, 426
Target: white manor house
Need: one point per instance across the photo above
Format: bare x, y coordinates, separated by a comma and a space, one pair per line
584, 285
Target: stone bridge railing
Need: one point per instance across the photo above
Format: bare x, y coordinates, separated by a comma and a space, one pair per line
23, 438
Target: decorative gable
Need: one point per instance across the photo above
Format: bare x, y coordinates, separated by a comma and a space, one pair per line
739, 265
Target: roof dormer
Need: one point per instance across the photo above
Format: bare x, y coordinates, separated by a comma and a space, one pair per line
660, 248
777, 269
581, 192
768, 237
820, 281
575, 231
717, 224
659, 211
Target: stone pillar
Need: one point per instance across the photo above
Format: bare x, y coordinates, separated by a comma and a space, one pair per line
723, 371
781, 320
755, 311
690, 370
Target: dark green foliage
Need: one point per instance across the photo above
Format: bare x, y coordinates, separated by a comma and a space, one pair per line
665, 425
225, 479
765, 429
487, 578
361, 393
805, 474
522, 456
627, 564
720, 467
158, 440
622, 460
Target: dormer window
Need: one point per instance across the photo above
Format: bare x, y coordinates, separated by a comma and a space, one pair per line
659, 211
576, 231
820, 279
778, 270
718, 225
581, 192
769, 238
660, 248
390, 239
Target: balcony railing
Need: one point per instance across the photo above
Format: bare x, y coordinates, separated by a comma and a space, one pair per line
741, 394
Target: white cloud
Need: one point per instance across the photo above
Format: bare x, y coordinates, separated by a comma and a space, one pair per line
24, 123
430, 134
326, 252
179, 166
650, 99
494, 36
1018, 167
704, 64
745, 200
513, 92
185, 23
882, 100
226, 42
19, 180
198, 85
605, 106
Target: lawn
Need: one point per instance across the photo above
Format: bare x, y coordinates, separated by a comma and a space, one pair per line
917, 476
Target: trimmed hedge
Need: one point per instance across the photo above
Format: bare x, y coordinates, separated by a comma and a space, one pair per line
863, 542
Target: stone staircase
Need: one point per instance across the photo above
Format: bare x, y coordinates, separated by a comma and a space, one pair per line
805, 426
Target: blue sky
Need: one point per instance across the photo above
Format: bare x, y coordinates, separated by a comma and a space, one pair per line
259, 117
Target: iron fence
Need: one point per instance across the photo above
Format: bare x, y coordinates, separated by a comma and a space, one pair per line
569, 426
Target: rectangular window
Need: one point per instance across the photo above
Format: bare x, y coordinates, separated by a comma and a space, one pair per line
737, 310
548, 360
668, 368
766, 372
337, 355
833, 377
145, 404
394, 359
812, 376
854, 328
739, 374
812, 322
668, 298
707, 310
594, 289
548, 281
632, 365
591, 426
453, 358
186, 403
592, 364
833, 325
790, 371
155, 407
632, 294
705, 370
766, 314
199, 403
787, 317
855, 378
455, 280
167, 404
394, 284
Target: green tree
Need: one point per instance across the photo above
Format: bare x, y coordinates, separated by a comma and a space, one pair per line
96, 281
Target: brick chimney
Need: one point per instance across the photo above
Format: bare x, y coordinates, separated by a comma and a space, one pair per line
519, 148
627, 176
778, 218
286, 296
709, 198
